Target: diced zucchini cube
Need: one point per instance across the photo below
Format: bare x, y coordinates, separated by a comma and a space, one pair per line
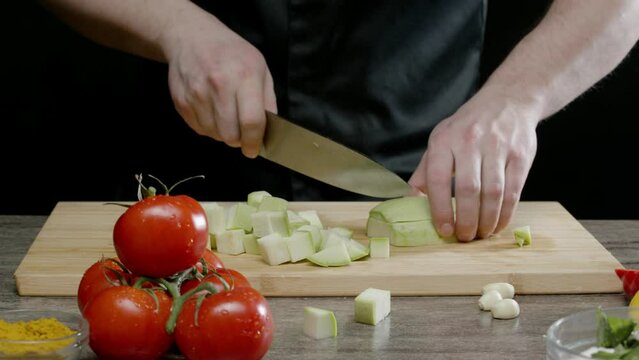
274, 250
372, 306
250, 244
269, 222
295, 221
300, 245
239, 217
331, 239
272, 203
312, 217
331, 256
231, 242
356, 250
213, 241
522, 235
216, 217
319, 323
316, 235
344, 232
379, 247
254, 198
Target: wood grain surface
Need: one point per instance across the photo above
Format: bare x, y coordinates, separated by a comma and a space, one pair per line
564, 257
419, 327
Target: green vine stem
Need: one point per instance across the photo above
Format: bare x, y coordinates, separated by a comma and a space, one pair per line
179, 300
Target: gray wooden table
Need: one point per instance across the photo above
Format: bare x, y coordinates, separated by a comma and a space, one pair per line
418, 327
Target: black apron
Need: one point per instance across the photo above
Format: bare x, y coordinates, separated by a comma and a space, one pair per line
376, 76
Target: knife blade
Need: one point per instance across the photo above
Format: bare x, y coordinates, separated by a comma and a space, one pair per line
316, 156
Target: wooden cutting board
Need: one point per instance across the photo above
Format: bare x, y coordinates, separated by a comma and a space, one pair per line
563, 258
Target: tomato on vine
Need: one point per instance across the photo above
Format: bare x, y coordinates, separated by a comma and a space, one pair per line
129, 323
234, 324
161, 235
103, 274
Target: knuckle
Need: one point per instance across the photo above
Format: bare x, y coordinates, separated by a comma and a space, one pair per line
251, 123
493, 189
199, 91
218, 80
472, 133
511, 198
437, 140
468, 187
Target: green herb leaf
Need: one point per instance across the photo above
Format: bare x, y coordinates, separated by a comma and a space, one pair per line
612, 331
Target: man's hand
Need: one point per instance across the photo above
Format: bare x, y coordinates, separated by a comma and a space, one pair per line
220, 83
488, 146
489, 143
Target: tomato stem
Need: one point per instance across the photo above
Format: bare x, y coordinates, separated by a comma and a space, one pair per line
183, 180
179, 300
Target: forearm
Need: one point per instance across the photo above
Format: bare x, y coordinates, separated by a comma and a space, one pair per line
576, 44
140, 27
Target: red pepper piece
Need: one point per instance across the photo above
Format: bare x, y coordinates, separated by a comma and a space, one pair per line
630, 281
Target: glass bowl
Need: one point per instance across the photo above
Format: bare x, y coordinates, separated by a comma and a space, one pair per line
64, 348
572, 336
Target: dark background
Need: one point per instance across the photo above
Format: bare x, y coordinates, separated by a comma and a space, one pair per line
78, 120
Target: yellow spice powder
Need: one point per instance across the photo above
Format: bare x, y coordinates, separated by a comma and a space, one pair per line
40, 329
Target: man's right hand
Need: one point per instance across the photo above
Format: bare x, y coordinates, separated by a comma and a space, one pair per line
219, 82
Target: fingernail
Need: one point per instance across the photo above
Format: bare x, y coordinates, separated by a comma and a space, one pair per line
446, 230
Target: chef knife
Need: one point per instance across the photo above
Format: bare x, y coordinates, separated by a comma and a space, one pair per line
323, 159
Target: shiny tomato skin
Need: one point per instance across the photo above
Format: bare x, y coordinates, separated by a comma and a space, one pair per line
97, 278
161, 235
235, 324
126, 323
234, 278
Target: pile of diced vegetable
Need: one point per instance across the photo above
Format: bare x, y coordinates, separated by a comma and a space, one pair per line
264, 225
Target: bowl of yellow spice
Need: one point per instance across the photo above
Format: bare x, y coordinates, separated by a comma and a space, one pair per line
42, 334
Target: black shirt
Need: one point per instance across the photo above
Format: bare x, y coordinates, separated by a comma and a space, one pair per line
376, 76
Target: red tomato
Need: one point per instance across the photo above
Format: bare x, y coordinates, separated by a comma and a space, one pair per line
161, 235
235, 324
102, 275
126, 323
630, 281
212, 261
234, 278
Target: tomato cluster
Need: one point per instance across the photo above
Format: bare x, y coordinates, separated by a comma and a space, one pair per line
166, 288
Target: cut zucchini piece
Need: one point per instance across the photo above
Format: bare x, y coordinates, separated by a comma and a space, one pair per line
522, 235
342, 231
295, 221
239, 217
254, 198
213, 241
231, 242
272, 203
269, 222
250, 244
331, 256
216, 217
274, 250
410, 208
333, 239
356, 250
312, 217
315, 232
319, 323
372, 306
410, 233
300, 246
379, 247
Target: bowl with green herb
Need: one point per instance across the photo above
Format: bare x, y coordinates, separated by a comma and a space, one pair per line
602, 333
